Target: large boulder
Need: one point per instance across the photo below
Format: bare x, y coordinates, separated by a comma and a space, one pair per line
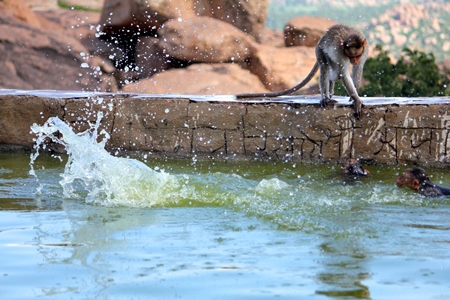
150, 57
20, 11
203, 39
200, 79
40, 4
249, 16
36, 58
306, 31
141, 17
281, 68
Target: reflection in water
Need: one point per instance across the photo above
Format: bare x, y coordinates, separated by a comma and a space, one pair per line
344, 269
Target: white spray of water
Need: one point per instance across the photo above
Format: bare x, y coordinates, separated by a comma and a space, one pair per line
108, 180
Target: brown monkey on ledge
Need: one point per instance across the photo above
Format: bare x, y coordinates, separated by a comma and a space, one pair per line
340, 47
418, 180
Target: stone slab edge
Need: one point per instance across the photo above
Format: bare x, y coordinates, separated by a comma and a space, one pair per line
293, 128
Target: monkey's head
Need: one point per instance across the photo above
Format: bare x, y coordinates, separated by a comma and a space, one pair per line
412, 178
354, 46
353, 167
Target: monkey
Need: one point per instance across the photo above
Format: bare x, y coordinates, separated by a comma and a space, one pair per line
340, 47
418, 180
354, 168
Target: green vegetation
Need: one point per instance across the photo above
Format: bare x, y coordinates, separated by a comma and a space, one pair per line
414, 75
64, 4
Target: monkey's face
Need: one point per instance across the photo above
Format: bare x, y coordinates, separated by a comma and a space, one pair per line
407, 179
354, 49
353, 167
353, 54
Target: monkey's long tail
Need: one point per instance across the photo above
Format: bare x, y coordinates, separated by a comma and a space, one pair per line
284, 92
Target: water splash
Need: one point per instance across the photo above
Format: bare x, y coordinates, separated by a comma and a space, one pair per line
108, 180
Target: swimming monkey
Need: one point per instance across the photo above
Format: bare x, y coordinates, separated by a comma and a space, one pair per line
418, 180
340, 47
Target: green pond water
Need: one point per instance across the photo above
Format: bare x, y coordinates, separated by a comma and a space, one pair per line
93, 226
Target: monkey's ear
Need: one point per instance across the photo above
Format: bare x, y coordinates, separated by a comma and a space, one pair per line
415, 184
364, 43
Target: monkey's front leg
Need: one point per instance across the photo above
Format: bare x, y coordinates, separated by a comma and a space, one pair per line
357, 106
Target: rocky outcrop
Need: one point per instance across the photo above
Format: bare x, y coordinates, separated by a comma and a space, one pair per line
37, 54
146, 17
205, 40
391, 131
421, 25
200, 79
281, 68
130, 45
305, 31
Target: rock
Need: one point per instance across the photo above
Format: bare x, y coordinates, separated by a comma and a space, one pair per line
203, 39
281, 68
85, 4
271, 37
20, 11
143, 17
150, 57
306, 31
33, 58
200, 79
40, 4
249, 16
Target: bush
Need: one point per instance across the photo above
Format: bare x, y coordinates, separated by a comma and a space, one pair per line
414, 75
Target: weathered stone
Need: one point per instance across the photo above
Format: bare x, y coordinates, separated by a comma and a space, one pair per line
150, 58
249, 16
439, 146
255, 146
234, 143
165, 141
21, 11
180, 127
135, 116
281, 68
82, 113
417, 142
38, 59
200, 79
204, 39
141, 17
210, 141
228, 116
272, 38
306, 31
41, 4
17, 114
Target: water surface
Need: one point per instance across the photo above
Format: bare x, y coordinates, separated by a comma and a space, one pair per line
91, 225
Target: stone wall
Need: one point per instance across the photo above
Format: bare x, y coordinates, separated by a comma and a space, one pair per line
391, 130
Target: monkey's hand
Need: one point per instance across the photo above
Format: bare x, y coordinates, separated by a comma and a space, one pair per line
326, 101
357, 104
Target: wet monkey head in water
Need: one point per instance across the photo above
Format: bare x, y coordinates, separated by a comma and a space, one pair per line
340, 48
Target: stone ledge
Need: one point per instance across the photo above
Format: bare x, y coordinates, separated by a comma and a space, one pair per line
295, 128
